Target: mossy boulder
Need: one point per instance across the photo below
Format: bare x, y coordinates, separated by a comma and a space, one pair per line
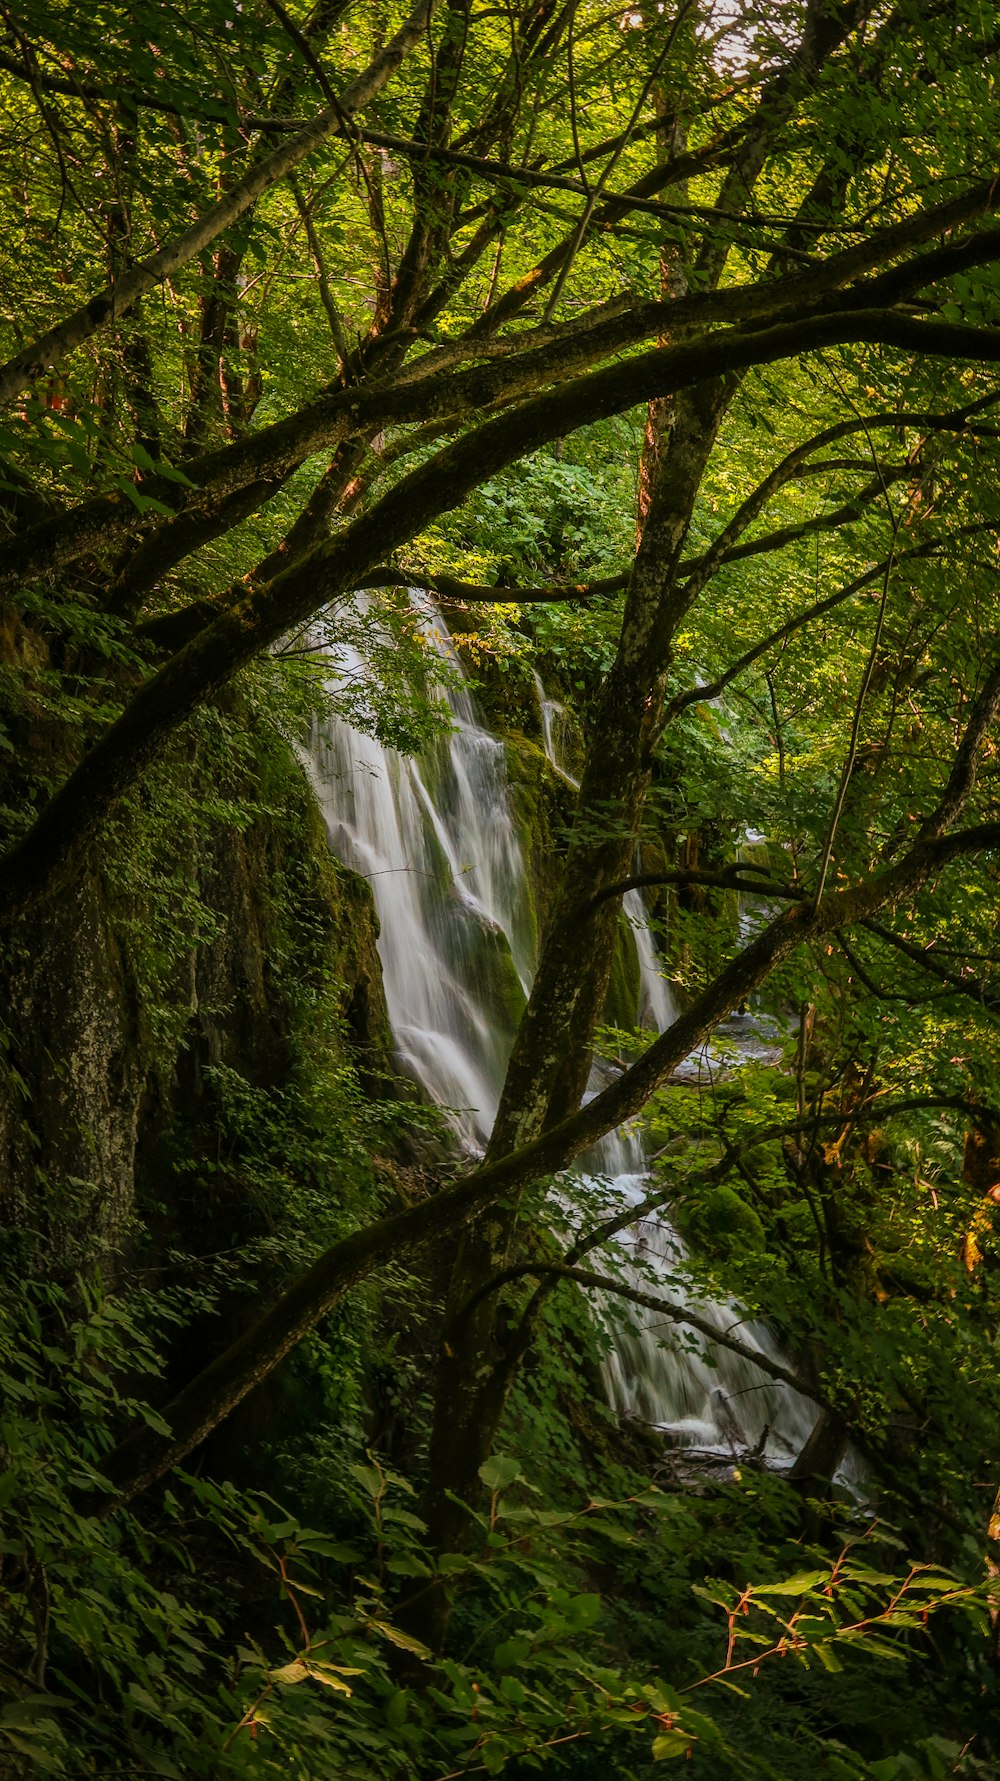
496, 977
723, 1225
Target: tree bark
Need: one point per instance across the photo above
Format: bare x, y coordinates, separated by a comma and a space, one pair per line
203, 1404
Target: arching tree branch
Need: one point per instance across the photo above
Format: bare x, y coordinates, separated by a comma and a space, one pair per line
197, 1409
931, 547
54, 848
451, 590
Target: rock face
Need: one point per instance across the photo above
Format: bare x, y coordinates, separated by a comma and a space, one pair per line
113, 1010
74, 1071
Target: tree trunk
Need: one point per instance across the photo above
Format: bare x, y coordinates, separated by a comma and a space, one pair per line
552, 1054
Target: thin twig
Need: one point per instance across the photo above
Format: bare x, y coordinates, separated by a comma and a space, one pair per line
866, 679
595, 193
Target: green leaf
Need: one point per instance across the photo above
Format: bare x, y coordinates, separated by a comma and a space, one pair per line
332, 1676
670, 1744
500, 1472
369, 1477
144, 503
405, 1641
291, 1673
511, 1651
800, 1584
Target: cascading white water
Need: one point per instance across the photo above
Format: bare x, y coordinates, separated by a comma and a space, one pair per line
436, 839
655, 1370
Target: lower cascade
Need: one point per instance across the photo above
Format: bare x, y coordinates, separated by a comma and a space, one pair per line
436, 838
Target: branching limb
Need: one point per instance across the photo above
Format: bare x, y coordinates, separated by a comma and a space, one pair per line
54, 848
962, 778
734, 877
453, 590
731, 1158
725, 550
792, 534
931, 547
327, 298
532, 359
114, 301
680, 1314
200, 1406
974, 988
865, 977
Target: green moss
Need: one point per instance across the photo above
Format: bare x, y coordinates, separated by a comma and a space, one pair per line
543, 807
797, 1224
622, 1003
724, 1225
495, 973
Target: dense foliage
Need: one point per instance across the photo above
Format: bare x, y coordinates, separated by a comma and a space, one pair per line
657, 343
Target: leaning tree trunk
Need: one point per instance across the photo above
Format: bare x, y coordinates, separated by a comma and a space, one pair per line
552, 1052
553, 1049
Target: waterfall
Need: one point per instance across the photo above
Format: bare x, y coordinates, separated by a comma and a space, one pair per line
656, 1372
435, 837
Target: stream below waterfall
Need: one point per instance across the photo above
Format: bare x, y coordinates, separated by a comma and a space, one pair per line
436, 837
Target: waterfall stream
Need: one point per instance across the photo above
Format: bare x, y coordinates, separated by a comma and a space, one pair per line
436, 838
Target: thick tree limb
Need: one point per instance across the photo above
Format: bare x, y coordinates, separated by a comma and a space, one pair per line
449, 589
548, 179
531, 360
54, 848
200, 1406
732, 877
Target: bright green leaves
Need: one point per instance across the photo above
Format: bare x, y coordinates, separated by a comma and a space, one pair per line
499, 1472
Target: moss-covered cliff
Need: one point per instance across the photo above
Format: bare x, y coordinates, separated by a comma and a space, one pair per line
226, 940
